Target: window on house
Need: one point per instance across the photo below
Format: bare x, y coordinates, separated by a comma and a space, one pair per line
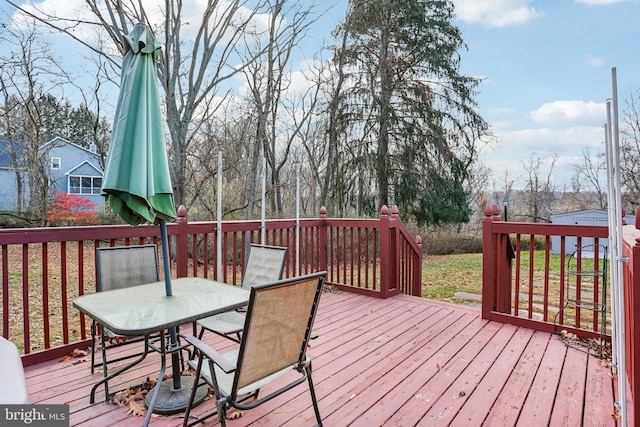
85, 184
55, 163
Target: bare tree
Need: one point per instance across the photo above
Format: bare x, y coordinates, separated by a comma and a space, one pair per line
540, 187
630, 149
269, 81
198, 57
28, 75
587, 181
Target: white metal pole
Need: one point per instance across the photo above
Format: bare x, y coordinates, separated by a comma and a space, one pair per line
219, 275
298, 220
263, 235
619, 259
611, 204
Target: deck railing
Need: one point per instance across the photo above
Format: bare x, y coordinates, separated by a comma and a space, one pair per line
528, 287
44, 269
529, 274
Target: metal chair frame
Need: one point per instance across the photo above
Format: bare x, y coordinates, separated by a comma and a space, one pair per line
277, 331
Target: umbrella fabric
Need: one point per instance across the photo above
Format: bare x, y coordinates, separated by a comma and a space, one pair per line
136, 181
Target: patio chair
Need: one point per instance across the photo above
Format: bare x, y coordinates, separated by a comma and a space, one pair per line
264, 264
119, 267
276, 333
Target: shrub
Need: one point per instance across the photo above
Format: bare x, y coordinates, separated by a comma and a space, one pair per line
71, 209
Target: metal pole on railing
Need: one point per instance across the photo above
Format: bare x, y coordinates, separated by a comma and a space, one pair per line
298, 220
617, 279
263, 235
612, 235
219, 275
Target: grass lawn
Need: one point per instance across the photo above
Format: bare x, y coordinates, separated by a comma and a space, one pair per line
444, 275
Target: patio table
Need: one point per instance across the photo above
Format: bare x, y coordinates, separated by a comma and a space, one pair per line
145, 310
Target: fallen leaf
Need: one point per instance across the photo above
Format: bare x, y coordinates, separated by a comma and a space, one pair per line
137, 409
64, 358
78, 353
234, 415
616, 417
438, 366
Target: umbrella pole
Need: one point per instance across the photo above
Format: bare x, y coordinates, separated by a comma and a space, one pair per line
172, 397
173, 333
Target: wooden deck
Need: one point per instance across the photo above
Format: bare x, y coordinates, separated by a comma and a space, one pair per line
403, 361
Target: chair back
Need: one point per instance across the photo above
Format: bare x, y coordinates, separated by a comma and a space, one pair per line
124, 266
264, 265
278, 325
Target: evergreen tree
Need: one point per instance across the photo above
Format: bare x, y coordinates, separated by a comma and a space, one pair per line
410, 107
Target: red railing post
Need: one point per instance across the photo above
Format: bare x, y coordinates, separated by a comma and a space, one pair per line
394, 251
182, 252
385, 244
488, 262
417, 271
323, 240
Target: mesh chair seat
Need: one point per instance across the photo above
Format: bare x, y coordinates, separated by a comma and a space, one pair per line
227, 323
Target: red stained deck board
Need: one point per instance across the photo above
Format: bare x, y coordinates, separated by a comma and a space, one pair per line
478, 404
452, 399
570, 396
370, 361
598, 401
507, 407
539, 403
425, 394
381, 398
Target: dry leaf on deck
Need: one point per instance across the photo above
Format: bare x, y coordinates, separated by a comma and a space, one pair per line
78, 353
121, 398
137, 409
234, 415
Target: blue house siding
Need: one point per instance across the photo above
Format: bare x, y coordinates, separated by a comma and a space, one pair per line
8, 193
74, 169
70, 168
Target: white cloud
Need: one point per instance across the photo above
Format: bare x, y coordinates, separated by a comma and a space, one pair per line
496, 13
515, 148
570, 112
595, 61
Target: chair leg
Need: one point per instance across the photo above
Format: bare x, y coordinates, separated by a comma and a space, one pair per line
193, 394
221, 407
313, 395
93, 346
104, 364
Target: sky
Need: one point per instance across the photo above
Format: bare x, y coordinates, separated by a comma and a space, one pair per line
546, 67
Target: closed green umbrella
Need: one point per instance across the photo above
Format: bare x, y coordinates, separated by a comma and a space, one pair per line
137, 182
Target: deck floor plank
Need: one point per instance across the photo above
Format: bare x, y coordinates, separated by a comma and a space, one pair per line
400, 361
571, 390
539, 402
453, 399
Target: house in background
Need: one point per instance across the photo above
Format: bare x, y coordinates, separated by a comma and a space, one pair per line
69, 167
584, 217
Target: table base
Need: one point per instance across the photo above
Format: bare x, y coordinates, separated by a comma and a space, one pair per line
171, 401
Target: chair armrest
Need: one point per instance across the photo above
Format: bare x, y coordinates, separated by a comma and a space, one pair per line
213, 355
